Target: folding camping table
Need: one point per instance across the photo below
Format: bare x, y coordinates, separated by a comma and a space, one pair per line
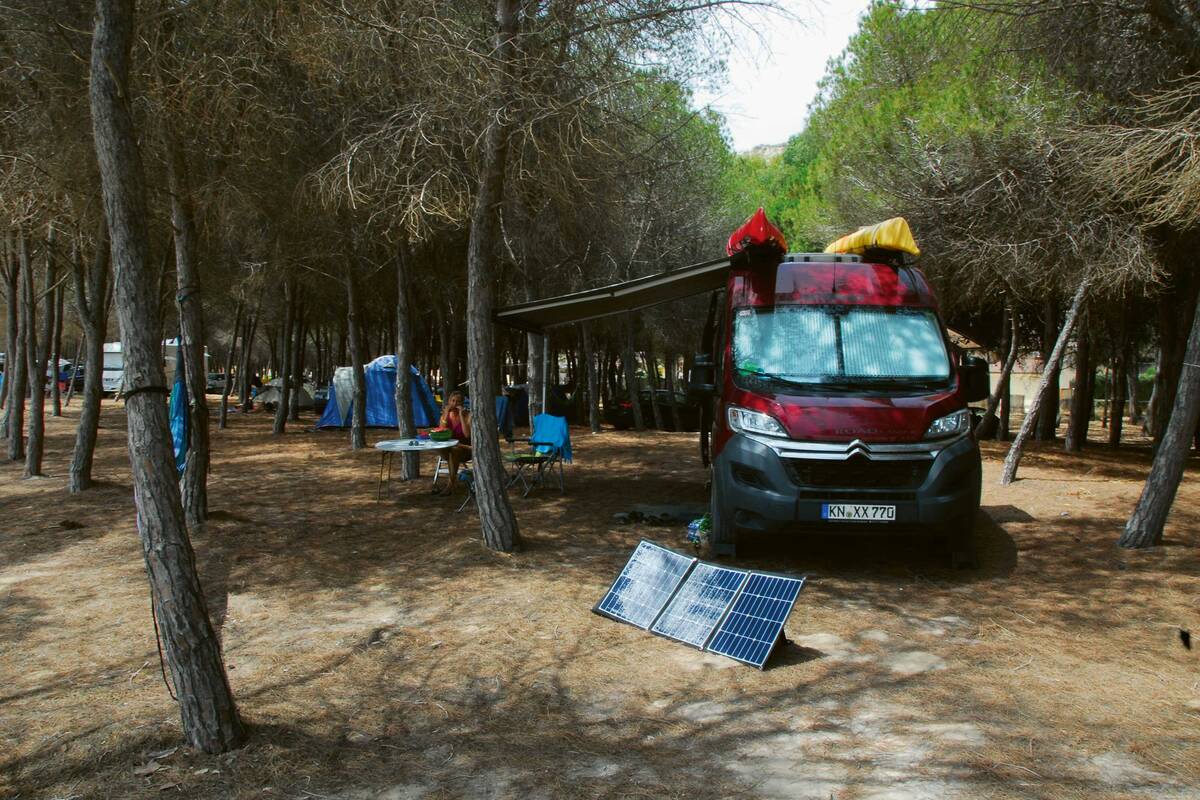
390, 447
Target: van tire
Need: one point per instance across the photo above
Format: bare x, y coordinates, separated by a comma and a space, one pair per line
722, 530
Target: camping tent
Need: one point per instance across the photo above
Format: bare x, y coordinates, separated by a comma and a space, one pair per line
270, 394
380, 377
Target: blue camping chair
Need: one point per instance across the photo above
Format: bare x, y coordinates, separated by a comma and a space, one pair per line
549, 445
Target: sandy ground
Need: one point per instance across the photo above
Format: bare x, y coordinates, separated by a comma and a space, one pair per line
378, 651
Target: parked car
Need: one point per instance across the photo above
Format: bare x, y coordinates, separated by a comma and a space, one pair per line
216, 383
620, 416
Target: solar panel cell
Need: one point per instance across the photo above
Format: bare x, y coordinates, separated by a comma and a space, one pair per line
748, 632
699, 604
645, 585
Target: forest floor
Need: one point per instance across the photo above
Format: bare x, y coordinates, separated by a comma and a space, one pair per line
378, 651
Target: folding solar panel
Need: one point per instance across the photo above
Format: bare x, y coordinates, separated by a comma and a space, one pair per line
699, 604
749, 631
644, 586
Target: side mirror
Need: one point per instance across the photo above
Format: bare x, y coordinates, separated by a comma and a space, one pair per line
973, 375
702, 378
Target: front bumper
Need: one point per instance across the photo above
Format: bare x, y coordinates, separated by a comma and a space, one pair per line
769, 485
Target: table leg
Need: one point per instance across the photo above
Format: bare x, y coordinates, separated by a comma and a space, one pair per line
383, 454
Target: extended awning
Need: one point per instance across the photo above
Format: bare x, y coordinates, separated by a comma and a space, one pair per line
675, 284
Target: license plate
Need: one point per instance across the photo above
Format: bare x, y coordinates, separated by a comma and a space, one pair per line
855, 512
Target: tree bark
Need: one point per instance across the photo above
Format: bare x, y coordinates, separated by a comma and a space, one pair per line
410, 463
91, 305
15, 367
228, 385
75, 362
652, 375
209, 716
285, 363
630, 367
56, 354
10, 273
990, 425
1081, 398
297, 363
38, 349
496, 518
358, 421
1145, 525
193, 484
1013, 459
669, 372
245, 372
1116, 413
593, 388
1047, 401
535, 345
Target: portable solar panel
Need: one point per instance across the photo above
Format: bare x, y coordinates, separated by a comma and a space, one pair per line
699, 604
754, 622
644, 586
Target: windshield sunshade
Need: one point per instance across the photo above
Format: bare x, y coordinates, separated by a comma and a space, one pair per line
837, 344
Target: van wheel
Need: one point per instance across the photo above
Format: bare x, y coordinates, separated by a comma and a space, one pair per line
723, 536
960, 540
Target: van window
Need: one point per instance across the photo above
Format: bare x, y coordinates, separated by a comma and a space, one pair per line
840, 346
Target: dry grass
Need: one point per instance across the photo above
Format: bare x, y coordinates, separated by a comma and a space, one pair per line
378, 651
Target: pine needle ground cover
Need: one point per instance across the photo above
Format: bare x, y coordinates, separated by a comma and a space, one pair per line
379, 651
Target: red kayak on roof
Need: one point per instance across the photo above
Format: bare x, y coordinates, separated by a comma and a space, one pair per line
757, 232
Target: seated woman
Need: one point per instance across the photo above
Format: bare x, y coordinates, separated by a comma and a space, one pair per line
458, 420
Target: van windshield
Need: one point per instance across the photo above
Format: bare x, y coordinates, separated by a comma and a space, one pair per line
839, 347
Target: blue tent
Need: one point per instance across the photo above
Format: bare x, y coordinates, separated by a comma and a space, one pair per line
380, 377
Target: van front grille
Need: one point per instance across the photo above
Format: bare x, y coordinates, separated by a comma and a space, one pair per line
858, 472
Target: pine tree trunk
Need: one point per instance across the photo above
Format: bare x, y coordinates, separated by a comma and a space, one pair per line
1081, 399
1013, 459
10, 273
285, 363
14, 376
652, 374
209, 716
358, 420
193, 484
496, 518
410, 463
1116, 414
91, 305
1047, 401
245, 373
671, 361
535, 345
630, 368
1145, 525
56, 354
39, 351
989, 427
296, 366
593, 384
75, 362
228, 385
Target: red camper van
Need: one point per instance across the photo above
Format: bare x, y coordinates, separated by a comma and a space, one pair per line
838, 400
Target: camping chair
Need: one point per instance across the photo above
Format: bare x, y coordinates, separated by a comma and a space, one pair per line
549, 445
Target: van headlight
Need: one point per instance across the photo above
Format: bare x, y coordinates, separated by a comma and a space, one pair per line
743, 420
949, 425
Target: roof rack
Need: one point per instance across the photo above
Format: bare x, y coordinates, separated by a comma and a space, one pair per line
843, 258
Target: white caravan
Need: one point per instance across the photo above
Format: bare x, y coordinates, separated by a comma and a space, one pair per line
112, 379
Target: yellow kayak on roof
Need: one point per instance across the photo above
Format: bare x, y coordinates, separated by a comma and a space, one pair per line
890, 235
